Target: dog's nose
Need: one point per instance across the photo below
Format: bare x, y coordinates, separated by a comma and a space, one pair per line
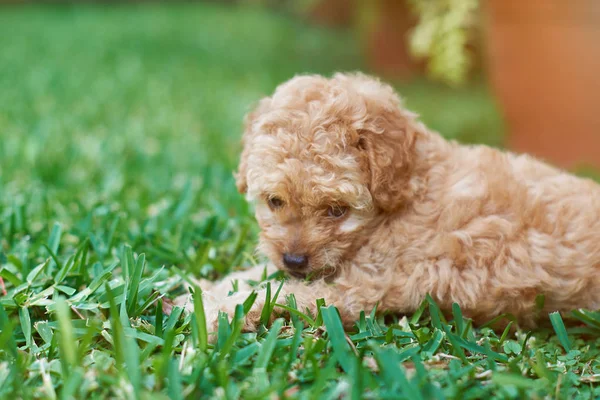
295, 261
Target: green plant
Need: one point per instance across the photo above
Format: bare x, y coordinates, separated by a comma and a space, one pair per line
441, 35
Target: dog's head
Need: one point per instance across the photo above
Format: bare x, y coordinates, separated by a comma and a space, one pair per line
323, 159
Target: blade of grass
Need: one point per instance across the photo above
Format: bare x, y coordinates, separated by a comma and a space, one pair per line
437, 319
294, 346
173, 318
295, 312
72, 384
337, 337
53, 244
474, 347
540, 367
268, 345
505, 333
54, 261
111, 234
158, 319
10, 277
83, 275
394, 374
132, 365
244, 354
519, 381
457, 349
147, 303
223, 330
64, 270
116, 329
200, 325
589, 318
458, 319
67, 342
35, 272
275, 297
417, 314
25, 320
249, 302
7, 339
174, 387
134, 283
236, 328
292, 304
434, 343
500, 317
165, 358
561, 331
265, 314
319, 318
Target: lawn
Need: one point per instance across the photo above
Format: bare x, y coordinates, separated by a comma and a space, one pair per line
119, 132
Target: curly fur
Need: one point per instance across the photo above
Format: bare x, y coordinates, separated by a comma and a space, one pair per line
486, 229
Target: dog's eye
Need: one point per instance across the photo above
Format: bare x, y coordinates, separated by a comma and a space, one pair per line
275, 203
337, 211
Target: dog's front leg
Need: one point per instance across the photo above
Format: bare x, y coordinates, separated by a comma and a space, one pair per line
240, 281
348, 301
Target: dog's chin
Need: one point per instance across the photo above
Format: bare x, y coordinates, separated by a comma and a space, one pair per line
298, 274
312, 274
306, 273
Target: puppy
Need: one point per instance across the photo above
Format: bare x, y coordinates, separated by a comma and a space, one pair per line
362, 205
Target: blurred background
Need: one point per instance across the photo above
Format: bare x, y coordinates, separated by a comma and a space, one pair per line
120, 125
136, 97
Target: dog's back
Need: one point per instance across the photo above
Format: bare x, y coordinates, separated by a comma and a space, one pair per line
501, 229
543, 224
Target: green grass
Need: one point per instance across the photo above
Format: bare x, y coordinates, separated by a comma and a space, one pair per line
119, 131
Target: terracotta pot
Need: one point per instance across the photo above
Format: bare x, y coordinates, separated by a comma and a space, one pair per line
332, 12
386, 39
544, 65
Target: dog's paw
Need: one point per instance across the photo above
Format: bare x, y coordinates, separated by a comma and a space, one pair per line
204, 284
214, 306
185, 300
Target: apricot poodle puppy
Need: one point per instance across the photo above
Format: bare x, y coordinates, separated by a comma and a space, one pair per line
362, 205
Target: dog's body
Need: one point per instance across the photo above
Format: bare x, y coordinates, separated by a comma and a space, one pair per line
352, 190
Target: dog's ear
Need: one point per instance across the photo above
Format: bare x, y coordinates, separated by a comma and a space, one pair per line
390, 155
387, 137
249, 121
